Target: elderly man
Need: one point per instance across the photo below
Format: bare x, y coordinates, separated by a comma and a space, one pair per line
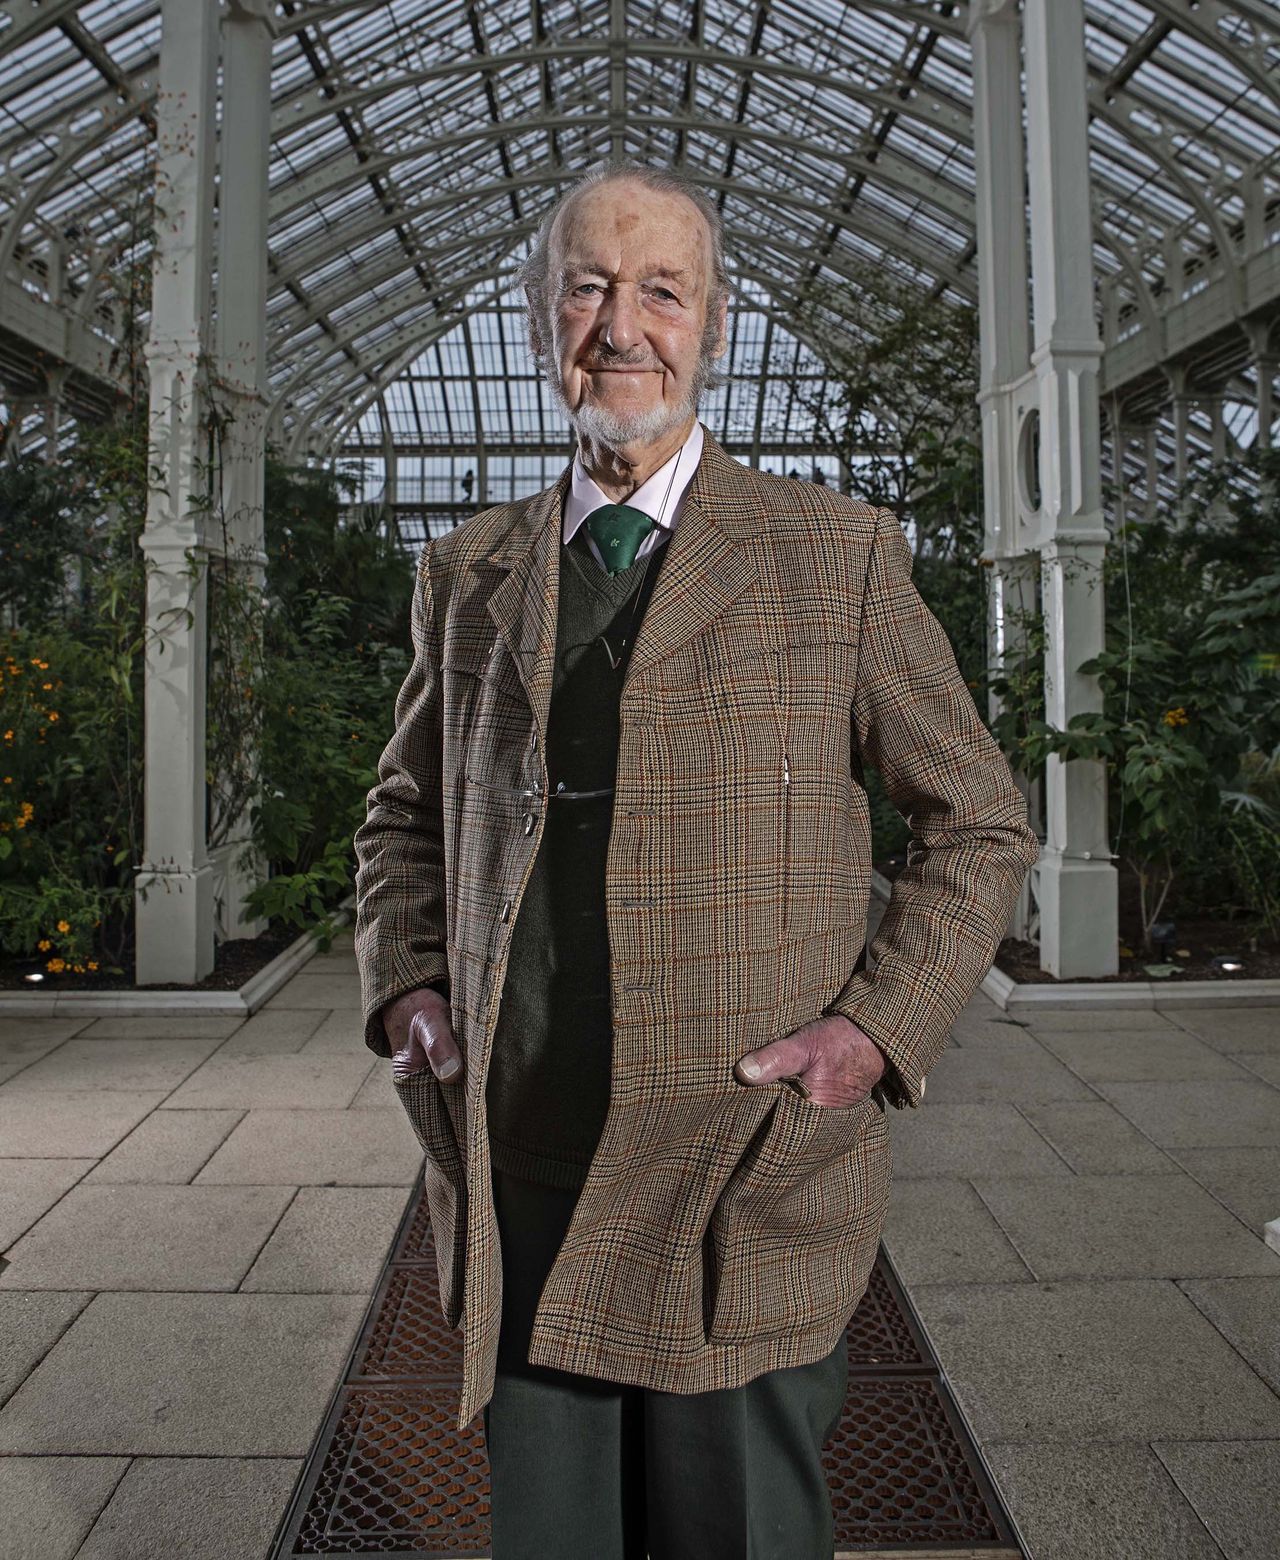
612, 903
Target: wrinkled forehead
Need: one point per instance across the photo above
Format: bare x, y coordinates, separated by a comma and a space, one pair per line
659, 229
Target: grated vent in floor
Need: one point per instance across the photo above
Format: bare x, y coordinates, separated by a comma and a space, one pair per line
389, 1473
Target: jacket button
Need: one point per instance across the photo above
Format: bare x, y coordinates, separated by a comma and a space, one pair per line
528, 823
506, 910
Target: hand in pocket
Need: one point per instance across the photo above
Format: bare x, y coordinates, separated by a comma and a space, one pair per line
419, 1026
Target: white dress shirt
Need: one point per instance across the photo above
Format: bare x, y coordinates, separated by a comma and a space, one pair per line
659, 498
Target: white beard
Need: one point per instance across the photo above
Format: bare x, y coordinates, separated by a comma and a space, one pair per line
601, 426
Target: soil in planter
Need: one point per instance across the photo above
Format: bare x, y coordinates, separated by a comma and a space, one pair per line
1201, 939
235, 962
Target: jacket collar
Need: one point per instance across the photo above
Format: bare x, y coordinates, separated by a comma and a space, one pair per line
707, 569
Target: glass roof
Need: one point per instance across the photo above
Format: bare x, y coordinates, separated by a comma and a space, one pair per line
417, 142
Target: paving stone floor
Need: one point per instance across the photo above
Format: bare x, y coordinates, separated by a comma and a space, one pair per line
194, 1212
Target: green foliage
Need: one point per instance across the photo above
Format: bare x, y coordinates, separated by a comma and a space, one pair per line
71, 715
301, 696
1191, 699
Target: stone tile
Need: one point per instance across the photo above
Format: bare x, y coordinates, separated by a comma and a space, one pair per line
30, 1187
1201, 1115
21, 1051
118, 1065
977, 1033
1163, 1055
1244, 1030
1090, 1502
315, 1147
278, 1033
1265, 1065
157, 1026
1247, 1312
147, 1237
1085, 1021
1107, 1226
942, 1232
1246, 1180
335, 962
317, 991
332, 1240
320, 1081
340, 1031
1006, 1073
168, 1147
68, 1123
959, 1140
1233, 1489
173, 1375
199, 1508
44, 1030
48, 1504
30, 1325
1095, 1139
377, 1092
1090, 1360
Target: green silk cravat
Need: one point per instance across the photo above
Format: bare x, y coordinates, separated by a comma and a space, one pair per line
618, 531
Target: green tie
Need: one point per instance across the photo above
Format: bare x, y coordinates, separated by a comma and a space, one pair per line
618, 531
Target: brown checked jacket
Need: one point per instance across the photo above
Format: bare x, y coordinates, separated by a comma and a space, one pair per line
724, 1230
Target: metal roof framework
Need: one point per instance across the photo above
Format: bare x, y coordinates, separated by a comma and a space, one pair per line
415, 144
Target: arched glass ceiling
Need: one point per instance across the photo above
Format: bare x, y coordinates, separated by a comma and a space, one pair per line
416, 143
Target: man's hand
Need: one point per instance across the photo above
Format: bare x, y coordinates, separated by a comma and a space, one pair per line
838, 1062
419, 1026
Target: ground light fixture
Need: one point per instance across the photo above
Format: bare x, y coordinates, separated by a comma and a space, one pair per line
1227, 964
1163, 934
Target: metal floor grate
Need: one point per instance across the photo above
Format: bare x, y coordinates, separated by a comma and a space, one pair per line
389, 1473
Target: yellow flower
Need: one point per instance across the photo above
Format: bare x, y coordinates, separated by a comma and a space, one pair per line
53, 715
8, 736
46, 686
1176, 716
44, 945
78, 969
64, 926
8, 779
93, 964
56, 966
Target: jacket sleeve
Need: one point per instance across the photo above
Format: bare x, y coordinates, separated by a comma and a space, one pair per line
971, 846
400, 874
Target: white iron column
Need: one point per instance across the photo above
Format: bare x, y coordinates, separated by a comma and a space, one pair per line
242, 327
1079, 932
174, 907
1004, 343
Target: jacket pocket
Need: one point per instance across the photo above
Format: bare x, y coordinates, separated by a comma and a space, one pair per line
794, 1233
444, 1178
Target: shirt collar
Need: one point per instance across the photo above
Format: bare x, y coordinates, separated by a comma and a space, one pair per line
659, 497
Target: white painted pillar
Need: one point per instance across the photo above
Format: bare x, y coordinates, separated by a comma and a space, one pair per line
174, 882
1003, 348
242, 324
1079, 933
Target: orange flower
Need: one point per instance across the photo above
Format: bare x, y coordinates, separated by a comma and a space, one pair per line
44, 945
1176, 716
56, 966
93, 964
64, 926
53, 715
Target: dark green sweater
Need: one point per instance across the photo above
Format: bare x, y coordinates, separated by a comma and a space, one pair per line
548, 1085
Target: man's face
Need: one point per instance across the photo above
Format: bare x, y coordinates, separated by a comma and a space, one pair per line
629, 269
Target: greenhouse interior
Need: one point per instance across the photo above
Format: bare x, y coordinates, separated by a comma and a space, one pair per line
1009, 269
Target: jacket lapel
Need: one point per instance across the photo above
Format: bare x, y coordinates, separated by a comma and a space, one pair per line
707, 569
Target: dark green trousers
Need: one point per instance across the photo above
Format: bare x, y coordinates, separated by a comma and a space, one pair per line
586, 1469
